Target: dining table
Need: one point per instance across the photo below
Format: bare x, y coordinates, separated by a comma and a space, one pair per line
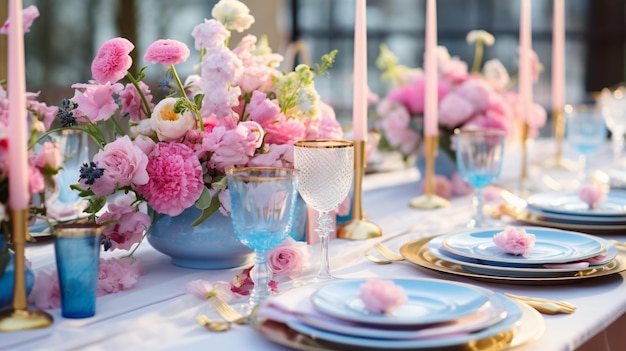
157, 313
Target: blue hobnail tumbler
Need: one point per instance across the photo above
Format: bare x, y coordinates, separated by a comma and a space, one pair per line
77, 250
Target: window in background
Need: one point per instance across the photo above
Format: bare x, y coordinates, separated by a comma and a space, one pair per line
328, 24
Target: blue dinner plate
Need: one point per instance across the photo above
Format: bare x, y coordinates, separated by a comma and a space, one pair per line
551, 246
609, 221
429, 301
434, 247
570, 203
512, 320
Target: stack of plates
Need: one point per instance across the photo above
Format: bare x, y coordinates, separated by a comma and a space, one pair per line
567, 211
557, 255
438, 314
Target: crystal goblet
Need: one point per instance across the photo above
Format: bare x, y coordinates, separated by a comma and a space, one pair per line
479, 156
585, 131
326, 171
263, 210
613, 105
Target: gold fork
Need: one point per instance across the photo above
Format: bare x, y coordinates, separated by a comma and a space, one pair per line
387, 253
226, 311
376, 259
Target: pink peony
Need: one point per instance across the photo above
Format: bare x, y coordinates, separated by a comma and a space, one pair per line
592, 195
382, 296
126, 223
288, 258
112, 61
29, 14
117, 274
514, 241
175, 178
167, 52
124, 164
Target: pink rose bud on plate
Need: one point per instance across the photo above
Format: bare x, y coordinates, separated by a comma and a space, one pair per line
592, 195
382, 296
514, 241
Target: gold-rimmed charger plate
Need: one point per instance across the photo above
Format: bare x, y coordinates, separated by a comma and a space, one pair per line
526, 217
416, 252
530, 328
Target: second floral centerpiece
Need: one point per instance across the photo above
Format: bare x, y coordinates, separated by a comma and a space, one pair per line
240, 110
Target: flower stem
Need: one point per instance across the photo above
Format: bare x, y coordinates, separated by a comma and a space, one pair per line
191, 104
146, 105
478, 57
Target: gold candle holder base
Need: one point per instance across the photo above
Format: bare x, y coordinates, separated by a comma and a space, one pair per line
357, 228
19, 317
429, 200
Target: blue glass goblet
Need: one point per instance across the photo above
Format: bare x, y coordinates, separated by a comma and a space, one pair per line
263, 210
479, 156
586, 132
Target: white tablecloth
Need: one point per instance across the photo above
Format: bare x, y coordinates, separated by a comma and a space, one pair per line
156, 314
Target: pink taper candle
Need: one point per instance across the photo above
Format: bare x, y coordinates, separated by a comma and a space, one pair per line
18, 155
359, 98
525, 70
430, 70
558, 55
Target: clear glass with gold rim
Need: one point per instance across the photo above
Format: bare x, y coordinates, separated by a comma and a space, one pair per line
326, 171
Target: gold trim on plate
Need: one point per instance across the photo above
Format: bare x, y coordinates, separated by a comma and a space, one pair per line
416, 252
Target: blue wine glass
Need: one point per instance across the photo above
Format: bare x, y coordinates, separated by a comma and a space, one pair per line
262, 210
479, 156
586, 132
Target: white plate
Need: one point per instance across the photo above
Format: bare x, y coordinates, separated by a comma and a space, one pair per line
434, 248
569, 203
551, 246
511, 322
429, 301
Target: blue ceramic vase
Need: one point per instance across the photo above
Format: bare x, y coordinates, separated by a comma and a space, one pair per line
210, 245
6, 281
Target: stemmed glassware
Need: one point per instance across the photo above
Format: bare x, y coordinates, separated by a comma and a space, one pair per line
263, 210
585, 131
326, 171
479, 156
613, 105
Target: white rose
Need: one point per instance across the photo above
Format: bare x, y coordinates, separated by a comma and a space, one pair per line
169, 125
144, 127
234, 14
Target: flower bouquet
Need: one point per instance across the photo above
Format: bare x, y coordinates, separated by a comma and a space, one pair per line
476, 98
239, 110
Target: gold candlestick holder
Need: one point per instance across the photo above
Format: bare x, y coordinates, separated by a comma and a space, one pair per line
357, 228
19, 317
429, 200
558, 162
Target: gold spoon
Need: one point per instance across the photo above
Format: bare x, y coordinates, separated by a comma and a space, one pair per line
210, 325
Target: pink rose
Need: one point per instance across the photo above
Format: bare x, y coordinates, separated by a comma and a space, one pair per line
131, 102
274, 155
592, 195
382, 296
514, 241
443, 186
46, 293
112, 61
175, 178
242, 283
123, 163
127, 223
29, 14
288, 258
167, 52
49, 156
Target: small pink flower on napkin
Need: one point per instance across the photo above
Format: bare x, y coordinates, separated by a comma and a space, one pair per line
382, 296
592, 195
514, 241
